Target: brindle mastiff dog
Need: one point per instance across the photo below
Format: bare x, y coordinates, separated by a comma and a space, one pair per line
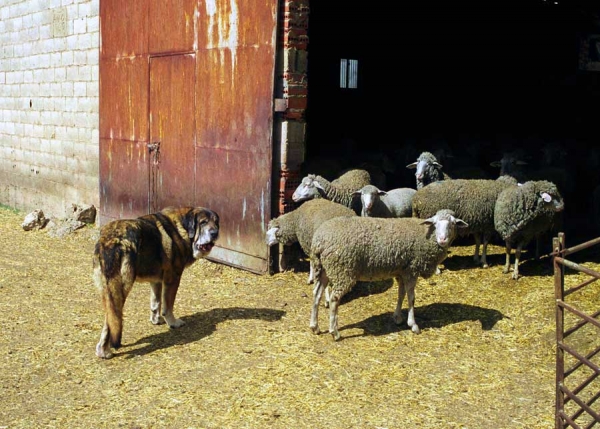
154, 248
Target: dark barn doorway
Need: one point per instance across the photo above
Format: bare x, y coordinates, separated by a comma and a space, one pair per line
476, 79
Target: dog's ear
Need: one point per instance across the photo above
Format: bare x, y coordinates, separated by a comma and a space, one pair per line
191, 221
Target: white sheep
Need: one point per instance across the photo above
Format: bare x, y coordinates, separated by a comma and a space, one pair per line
393, 203
522, 213
473, 200
340, 190
350, 249
299, 225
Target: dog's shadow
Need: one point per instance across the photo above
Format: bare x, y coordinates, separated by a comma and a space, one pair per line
429, 316
197, 326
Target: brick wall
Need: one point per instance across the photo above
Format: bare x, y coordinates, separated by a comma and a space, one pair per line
49, 104
292, 73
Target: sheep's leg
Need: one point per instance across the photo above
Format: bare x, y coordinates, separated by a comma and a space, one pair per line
410, 290
311, 274
320, 284
515, 274
507, 249
477, 244
486, 240
397, 317
334, 301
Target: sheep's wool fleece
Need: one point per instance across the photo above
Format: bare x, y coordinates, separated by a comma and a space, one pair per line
341, 190
472, 200
300, 224
520, 214
353, 179
366, 248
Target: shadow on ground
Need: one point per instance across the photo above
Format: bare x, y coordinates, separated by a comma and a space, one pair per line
196, 327
432, 316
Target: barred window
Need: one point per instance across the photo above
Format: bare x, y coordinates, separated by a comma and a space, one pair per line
348, 73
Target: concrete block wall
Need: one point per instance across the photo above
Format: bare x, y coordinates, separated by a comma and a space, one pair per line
49, 77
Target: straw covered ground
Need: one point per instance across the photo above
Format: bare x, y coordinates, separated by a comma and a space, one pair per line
246, 357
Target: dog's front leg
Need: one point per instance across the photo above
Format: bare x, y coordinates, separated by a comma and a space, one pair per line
155, 297
169, 291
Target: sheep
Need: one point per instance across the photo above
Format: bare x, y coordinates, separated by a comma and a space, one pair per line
513, 164
340, 190
429, 170
299, 225
378, 203
350, 249
473, 200
522, 213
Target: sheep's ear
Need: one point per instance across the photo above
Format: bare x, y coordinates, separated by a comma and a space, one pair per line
412, 166
546, 197
429, 221
495, 164
356, 193
318, 185
382, 192
437, 164
461, 223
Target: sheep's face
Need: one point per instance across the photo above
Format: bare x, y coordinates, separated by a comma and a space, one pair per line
369, 195
271, 236
426, 167
307, 190
445, 225
552, 200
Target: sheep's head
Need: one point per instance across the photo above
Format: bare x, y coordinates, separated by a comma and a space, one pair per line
551, 199
308, 189
369, 195
445, 225
272, 232
428, 169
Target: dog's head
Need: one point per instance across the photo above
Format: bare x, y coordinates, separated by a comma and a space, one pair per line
202, 225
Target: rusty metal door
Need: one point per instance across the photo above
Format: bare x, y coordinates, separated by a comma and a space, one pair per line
234, 116
172, 131
186, 114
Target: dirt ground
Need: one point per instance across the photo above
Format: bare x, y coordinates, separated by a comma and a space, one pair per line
246, 357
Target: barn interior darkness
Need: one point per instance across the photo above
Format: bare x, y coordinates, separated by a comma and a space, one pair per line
478, 80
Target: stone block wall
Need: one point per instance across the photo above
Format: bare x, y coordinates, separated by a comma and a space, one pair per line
49, 77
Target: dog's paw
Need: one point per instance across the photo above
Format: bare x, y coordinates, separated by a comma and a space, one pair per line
156, 319
103, 353
175, 323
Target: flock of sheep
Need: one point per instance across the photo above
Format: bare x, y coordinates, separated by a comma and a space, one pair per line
353, 231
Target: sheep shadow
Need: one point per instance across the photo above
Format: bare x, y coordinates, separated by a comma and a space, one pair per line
430, 316
364, 289
197, 326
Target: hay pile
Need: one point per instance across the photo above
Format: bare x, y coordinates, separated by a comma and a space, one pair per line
247, 359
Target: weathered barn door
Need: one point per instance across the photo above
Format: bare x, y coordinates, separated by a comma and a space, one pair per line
172, 131
186, 108
234, 116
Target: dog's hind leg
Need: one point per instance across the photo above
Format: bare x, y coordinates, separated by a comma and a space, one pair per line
155, 297
169, 291
103, 346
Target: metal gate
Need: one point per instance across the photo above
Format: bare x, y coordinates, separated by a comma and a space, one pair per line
577, 381
186, 115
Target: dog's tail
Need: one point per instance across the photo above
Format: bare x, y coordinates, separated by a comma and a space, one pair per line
113, 288
113, 299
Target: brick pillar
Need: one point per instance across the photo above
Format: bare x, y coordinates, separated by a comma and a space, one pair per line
293, 75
